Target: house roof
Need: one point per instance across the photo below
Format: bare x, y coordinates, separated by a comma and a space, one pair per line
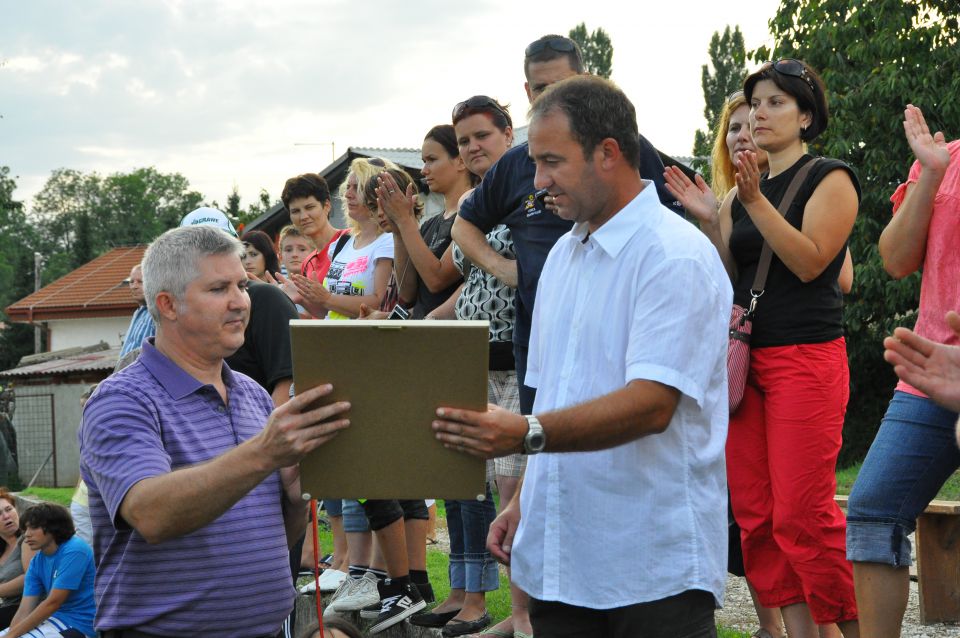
87, 359
96, 289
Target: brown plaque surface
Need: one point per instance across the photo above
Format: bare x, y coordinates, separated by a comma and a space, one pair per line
395, 375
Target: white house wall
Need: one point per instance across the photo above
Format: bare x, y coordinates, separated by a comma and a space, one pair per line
71, 333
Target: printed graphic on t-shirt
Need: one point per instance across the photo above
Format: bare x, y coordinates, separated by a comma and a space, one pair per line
356, 266
530, 205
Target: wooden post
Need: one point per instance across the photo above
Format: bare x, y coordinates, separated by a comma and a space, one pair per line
938, 562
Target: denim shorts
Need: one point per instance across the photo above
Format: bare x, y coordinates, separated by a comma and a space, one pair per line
914, 453
354, 518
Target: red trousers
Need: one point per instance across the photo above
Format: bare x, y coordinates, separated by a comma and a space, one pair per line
782, 452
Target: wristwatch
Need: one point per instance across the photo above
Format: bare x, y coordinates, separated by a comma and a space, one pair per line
535, 440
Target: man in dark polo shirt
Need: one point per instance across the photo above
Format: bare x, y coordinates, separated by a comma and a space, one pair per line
506, 196
194, 492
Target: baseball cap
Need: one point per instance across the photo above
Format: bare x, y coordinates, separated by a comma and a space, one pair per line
210, 217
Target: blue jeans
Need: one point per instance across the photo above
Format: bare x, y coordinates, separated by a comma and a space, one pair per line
472, 568
914, 453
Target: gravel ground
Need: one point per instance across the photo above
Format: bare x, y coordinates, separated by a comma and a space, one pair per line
738, 613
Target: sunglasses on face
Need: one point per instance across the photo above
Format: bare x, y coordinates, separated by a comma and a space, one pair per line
478, 102
558, 44
793, 68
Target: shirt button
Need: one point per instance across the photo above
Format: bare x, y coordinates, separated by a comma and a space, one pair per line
221, 409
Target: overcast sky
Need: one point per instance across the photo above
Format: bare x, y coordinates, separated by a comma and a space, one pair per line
249, 93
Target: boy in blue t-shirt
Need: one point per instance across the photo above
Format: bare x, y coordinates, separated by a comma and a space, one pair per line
58, 588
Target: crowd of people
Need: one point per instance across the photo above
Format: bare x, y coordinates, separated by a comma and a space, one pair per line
607, 280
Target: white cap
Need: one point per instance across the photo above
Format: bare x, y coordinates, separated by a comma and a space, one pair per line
210, 217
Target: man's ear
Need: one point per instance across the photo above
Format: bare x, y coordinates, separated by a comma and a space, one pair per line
166, 306
608, 153
526, 87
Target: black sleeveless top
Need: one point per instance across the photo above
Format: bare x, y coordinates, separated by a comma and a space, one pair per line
789, 312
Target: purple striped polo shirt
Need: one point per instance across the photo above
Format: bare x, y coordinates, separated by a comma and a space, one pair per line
231, 578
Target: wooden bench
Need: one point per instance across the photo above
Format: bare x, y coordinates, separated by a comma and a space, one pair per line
938, 560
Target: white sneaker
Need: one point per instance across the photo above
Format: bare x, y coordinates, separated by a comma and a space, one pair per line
363, 594
344, 590
330, 580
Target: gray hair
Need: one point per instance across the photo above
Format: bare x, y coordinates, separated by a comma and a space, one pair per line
171, 261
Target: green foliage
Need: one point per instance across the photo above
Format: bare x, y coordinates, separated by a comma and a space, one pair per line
17, 238
597, 49
243, 216
728, 59
874, 57
85, 214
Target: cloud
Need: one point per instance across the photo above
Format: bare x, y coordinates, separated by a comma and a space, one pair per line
220, 90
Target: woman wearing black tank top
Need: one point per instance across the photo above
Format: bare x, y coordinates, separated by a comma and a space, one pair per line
784, 439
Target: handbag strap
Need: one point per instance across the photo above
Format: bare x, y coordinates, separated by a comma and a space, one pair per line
766, 253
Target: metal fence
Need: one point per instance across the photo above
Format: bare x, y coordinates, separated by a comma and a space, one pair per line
36, 440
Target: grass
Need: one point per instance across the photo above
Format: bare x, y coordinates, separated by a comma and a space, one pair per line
59, 495
846, 477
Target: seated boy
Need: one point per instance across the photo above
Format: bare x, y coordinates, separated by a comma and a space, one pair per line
58, 588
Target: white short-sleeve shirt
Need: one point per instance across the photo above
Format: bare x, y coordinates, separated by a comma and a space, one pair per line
644, 297
352, 270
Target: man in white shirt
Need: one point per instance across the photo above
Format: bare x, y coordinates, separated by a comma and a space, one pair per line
628, 355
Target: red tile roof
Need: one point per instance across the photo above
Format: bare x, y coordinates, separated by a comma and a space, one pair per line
96, 289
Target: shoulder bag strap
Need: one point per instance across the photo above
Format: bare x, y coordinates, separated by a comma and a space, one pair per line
341, 242
766, 253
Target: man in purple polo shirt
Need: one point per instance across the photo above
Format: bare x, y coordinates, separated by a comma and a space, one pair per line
194, 491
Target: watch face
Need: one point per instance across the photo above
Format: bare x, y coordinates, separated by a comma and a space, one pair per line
536, 442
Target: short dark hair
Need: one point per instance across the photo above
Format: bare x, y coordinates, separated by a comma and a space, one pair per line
807, 89
596, 109
51, 518
304, 186
542, 50
262, 242
342, 625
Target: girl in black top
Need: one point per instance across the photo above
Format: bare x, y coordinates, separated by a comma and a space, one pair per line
423, 264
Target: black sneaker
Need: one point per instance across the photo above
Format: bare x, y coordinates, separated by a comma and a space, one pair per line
371, 612
397, 601
426, 592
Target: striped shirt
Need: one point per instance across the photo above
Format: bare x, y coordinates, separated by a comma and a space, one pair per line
230, 578
141, 327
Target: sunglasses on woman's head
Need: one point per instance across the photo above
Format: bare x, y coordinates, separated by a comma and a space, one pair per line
733, 96
558, 44
793, 68
478, 102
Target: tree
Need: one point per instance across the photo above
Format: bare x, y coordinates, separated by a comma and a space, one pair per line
17, 240
597, 49
874, 58
81, 215
728, 58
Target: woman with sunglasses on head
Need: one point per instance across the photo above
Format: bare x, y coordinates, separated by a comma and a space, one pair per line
426, 276
732, 136
785, 436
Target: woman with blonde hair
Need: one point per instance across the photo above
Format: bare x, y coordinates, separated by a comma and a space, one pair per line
360, 261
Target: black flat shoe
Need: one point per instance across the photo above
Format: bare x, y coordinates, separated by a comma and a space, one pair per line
464, 627
431, 619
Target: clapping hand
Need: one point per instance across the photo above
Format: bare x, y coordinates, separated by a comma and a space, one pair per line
930, 150
696, 197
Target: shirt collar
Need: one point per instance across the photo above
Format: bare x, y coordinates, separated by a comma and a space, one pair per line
177, 382
624, 224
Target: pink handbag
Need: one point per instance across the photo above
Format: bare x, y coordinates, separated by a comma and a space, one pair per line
738, 354
741, 319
